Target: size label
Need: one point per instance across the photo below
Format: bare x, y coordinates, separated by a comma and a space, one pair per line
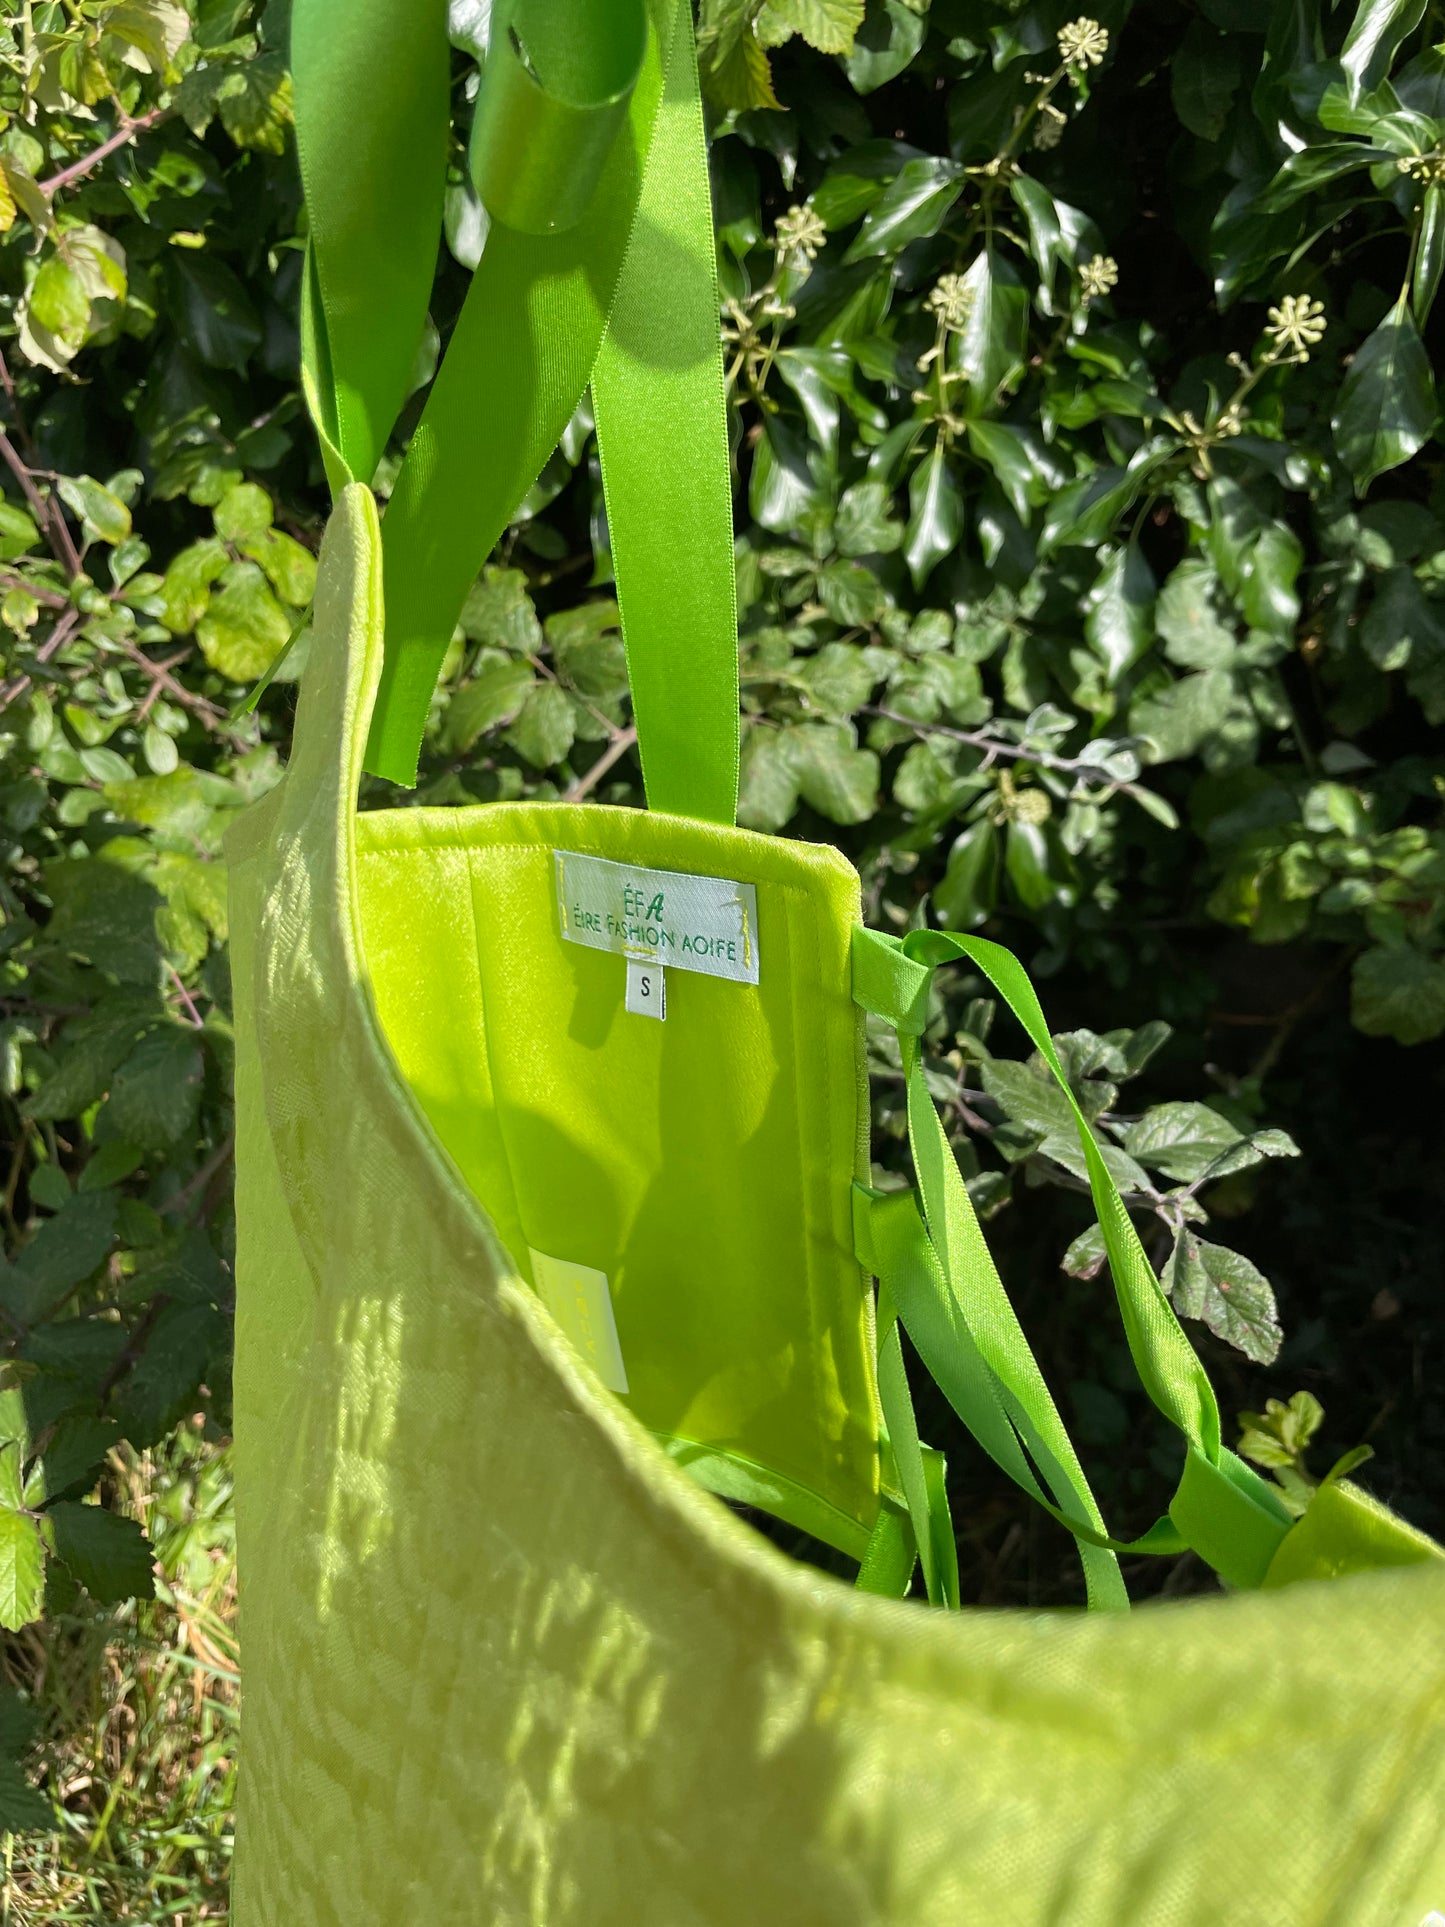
665, 917
646, 990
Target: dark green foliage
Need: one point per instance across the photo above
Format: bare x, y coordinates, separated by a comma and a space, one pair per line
1092, 576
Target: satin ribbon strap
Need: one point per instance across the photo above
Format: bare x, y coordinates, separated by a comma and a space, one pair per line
371, 82
555, 89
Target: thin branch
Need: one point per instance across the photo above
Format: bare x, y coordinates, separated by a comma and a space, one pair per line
993, 748
62, 632
49, 515
212, 1168
614, 752
77, 170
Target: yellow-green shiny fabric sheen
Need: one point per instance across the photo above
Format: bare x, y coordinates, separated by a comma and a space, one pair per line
507, 1666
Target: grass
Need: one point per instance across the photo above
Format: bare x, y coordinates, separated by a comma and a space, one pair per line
136, 1746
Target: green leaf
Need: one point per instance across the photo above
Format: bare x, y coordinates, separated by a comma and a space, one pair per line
1178, 718
22, 1808
1375, 36
887, 43
255, 104
73, 1456
18, 532
1204, 77
1187, 620
1398, 991
1185, 1141
109, 1555
496, 696
1430, 259
851, 593
839, 678
1386, 409
63, 1253
59, 302
837, 778
865, 523
1007, 454
967, 893
783, 486
768, 779
935, 522
994, 343
1228, 1293
155, 1094
546, 727
828, 25
914, 204
218, 318
105, 517
186, 589
22, 1570
498, 612
244, 627
244, 514
1119, 610
1308, 170
185, 1342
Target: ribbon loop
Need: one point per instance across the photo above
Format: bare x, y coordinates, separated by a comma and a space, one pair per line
554, 97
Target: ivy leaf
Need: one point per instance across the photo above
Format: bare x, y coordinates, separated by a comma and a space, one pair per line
851, 593
1204, 77
1431, 256
837, 778
994, 343
767, 779
1188, 625
865, 523
1228, 1293
828, 25
1386, 409
783, 486
1178, 718
1119, 610
1007, 454
255, 104
936, 519
109, 1555
967, 893
915, 203
1398, 991
22, 1570
886, 44
1378, 29
218, 318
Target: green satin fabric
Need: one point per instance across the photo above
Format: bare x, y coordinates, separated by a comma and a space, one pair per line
626, 298
553, 100
505, 1661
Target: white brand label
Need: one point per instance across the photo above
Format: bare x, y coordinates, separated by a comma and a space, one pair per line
660, 916
579, 1299
646, 989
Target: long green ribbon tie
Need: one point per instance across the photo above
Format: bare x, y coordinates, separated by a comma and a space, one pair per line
611, 280
952, 1301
